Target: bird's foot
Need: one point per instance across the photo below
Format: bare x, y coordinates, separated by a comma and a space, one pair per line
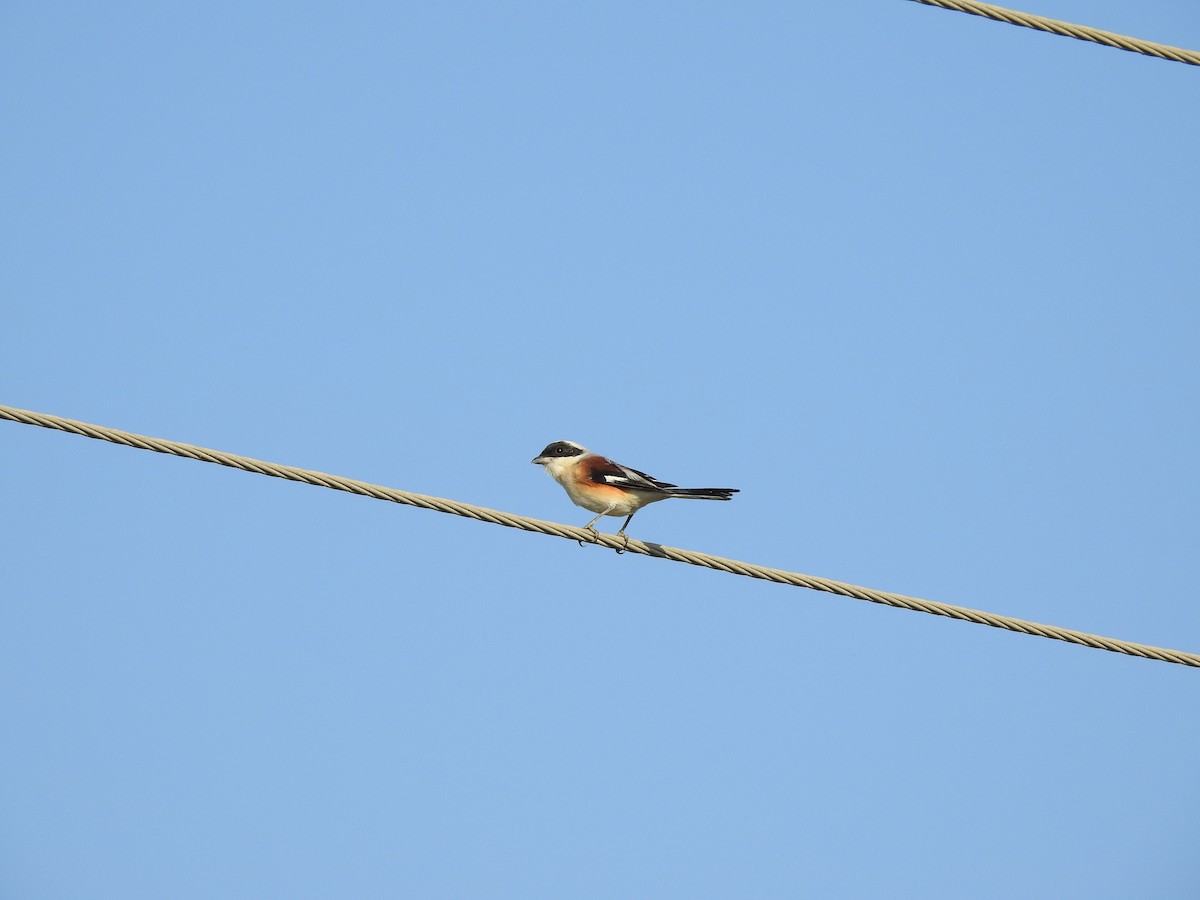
595, 535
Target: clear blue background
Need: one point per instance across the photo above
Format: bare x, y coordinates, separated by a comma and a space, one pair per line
923, 286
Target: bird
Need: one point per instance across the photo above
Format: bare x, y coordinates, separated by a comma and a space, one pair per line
608, 488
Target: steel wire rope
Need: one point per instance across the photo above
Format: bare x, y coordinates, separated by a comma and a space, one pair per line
1067, 29
555, 529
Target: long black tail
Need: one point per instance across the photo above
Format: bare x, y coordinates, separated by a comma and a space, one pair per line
703, 493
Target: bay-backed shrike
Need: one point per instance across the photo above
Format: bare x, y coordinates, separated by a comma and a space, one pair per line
608, 488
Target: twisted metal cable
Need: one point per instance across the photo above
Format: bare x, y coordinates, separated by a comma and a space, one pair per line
1066, 29
496, 517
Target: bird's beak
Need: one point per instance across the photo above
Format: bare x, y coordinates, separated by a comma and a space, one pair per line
539, 460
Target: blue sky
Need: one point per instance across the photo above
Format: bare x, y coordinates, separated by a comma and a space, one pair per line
921, 285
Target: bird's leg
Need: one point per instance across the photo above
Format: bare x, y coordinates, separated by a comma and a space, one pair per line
588, 526
623, 534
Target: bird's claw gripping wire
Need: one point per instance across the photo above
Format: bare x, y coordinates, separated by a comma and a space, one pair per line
596, 539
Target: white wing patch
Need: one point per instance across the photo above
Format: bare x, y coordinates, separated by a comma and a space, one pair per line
631, 478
